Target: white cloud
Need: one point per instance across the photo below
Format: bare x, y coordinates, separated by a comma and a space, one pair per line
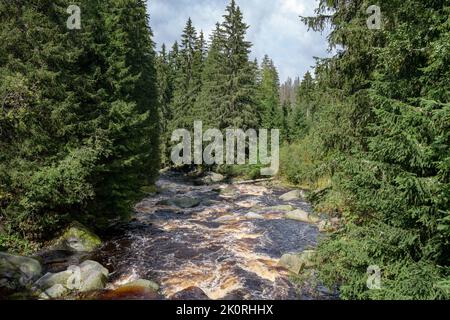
275, 28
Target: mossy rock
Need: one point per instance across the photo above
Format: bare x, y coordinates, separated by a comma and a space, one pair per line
52, 279
297, 262
292, 195
303, 216
149, 189
229, 191
18, 271
280, 208
183, 203
78, 238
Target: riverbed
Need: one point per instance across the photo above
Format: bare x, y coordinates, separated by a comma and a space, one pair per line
226, 246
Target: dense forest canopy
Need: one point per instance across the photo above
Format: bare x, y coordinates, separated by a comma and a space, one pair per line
375, 145
79, 115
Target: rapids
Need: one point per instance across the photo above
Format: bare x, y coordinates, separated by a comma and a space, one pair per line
228, 246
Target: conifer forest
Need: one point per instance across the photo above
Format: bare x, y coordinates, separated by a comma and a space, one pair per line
93, 206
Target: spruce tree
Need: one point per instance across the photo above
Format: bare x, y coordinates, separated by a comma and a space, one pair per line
79, 118
187, 82
239, 107
165, 89
212, 96
133, 113
305, 109
269, 95
384, 138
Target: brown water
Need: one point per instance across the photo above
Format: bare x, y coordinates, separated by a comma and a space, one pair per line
216, 247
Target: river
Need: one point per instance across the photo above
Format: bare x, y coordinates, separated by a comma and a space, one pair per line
227, 247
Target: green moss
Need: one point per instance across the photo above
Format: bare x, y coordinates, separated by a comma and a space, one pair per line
149, 189
85, 239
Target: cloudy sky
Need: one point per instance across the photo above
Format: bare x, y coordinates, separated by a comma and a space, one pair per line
275, 28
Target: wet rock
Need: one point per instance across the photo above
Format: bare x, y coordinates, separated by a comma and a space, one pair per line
297, 262
183, 203
78, 238
252, 215
226, 218
143, 284
93, 276
280, 208
302, 216
212, 178
51, 279
94, 281
129, 292
192, 293
88, 276
90, 266
229, 192
237, 295
293, 195
17, 271
55, 261
56, 291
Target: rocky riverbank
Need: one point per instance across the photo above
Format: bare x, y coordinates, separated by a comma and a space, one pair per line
192, 239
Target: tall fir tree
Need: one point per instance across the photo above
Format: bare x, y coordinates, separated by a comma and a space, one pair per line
187, 82
165, 90
133, 113
269, 95
303, 113
239, 107
383, 138
212, 95
79, 120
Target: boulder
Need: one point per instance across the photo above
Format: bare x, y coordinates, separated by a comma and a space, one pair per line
183, 203
280, 208
212, 178
90, 266
292, 195
78, 238
93, 276
150, 190
252, 215
141, 283
225, 218
192, 293
302, 216
56, 291
229, 192
18, 271
59, 260
216, 177
88, 276
129, 292
297, 262
94, 280
51, 279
